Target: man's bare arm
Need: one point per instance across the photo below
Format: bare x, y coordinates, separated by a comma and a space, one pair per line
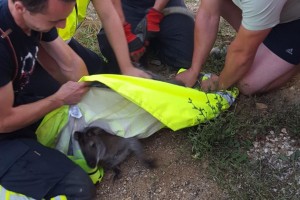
205, 33
61, 61
116, 36
14, 118
240, 56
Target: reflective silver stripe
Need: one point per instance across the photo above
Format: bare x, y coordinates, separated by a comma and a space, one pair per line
2, 192
226, 95
178, 10
9, 195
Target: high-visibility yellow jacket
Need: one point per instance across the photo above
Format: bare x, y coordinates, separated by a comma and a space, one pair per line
74, 19
10, 195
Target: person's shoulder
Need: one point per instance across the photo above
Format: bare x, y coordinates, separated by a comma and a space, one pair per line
50, 35
261, 15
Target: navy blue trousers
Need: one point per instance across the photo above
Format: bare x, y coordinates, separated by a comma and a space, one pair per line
36, 171
174, 43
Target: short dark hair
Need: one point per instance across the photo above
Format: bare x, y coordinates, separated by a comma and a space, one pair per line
36, 6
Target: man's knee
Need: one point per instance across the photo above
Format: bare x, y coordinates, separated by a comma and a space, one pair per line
245, 90
177, 40
76, 185
249, 89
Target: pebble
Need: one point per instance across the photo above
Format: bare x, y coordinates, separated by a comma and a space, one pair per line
276, 150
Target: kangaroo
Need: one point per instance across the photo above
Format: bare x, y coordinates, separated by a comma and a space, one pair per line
101, 148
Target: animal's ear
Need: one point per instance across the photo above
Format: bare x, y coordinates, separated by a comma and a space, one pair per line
97, 130
76, 135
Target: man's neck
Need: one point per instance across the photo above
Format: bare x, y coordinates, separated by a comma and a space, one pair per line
18, 18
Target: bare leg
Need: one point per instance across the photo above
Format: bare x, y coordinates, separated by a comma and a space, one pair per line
283, 79
267, 72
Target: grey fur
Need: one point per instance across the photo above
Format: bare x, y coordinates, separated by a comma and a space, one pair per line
107, 150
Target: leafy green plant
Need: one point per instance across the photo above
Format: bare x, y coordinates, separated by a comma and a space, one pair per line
225, 140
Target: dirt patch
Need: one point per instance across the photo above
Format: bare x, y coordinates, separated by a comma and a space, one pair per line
177, 176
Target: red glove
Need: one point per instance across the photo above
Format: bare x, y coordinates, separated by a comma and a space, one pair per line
148, 27
154, 18
135, 45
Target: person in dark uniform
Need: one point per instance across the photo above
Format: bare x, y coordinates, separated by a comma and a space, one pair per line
28, 34
169, 38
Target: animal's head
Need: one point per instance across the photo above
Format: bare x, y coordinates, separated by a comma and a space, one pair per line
92, 147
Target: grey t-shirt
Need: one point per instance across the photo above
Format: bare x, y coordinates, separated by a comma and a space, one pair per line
264, 14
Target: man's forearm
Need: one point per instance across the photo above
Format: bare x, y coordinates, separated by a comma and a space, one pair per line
160, 4
237, 64
61, 61
118, 42
114, 31
118, 6
240, 56
24, 115
206, 28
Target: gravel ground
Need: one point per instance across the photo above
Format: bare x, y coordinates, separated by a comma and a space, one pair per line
177, 176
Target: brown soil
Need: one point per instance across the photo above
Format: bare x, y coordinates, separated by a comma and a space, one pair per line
178, 175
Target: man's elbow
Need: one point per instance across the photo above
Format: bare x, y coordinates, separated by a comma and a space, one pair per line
4, 128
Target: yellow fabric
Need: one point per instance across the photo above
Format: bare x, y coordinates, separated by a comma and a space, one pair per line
47, 133
60, 197
95, 175
74, 19
131, 106
10, 195
109, 110
175, 106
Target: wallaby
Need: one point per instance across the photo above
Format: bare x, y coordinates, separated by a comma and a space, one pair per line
101, 148
161, 78
157, 77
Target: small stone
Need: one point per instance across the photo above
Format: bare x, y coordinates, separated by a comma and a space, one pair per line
261, 106
155, 62
266, 150
283, 130
289, 153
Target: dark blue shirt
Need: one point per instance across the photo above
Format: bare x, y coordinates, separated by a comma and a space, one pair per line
26, 48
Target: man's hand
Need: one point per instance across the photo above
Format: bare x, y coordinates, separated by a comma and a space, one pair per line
211, 84
188, 77
133, 71
135, 45
71, 93
148, 27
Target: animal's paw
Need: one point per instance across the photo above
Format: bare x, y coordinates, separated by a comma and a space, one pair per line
117, 174
150, 163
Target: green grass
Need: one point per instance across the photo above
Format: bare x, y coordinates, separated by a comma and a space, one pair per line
224, 141
87, 34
